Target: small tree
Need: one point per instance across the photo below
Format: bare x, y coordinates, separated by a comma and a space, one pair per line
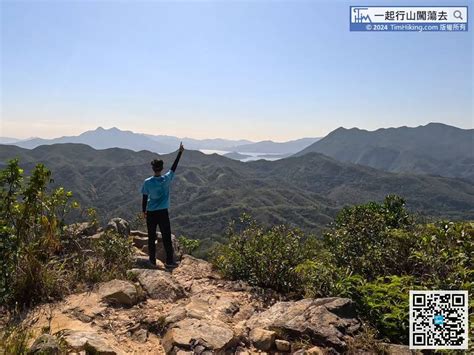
32, 221
39, 258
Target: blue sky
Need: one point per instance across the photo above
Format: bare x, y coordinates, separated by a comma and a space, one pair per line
231, 69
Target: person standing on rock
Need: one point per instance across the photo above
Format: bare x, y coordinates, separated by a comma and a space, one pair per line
155, 204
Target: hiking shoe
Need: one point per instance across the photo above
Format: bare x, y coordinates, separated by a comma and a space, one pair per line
172, 265
151, 265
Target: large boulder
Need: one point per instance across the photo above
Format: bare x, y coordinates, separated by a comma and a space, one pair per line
140, 240
326, 321
119, 225
90, 342
262, 339
45, 344
210, 305
138, 233
119, 292
159, 284
82, 229
192, 268
283, 346
191, 333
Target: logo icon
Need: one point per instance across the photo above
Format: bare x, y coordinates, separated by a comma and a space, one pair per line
360, 15
438, 319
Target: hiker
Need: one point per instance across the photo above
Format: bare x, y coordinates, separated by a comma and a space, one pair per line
155, 204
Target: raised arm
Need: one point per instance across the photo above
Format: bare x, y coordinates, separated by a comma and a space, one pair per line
176, 161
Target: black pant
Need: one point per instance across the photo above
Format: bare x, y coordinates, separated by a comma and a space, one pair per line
162, 219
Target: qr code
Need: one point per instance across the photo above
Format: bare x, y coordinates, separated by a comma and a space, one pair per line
439, 319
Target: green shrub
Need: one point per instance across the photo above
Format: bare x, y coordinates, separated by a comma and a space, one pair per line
373, 253
14, 339
384, 303
362, 238
321, 278
381, 244
35, 280
188, 245
265, 257
40, 259
111, 257
442, 256
32, 220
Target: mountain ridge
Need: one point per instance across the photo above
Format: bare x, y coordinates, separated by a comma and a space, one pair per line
211, 190
102, 138
433, 149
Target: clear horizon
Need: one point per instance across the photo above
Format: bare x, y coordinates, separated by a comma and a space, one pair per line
234, 70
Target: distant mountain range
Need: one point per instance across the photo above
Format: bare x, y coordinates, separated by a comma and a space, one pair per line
8, 140
101, 138
210, 190
274, 147
196, 144
435, 149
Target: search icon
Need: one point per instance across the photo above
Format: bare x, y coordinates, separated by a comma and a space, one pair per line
457, 14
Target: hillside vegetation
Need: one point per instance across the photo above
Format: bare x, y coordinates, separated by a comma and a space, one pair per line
211, 190
42, 260
372, 253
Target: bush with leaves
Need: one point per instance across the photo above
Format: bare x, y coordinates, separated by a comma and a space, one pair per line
373, 253
32, 220
40, 260
265, 257
320, 277
383, 245
111, 256
361, 238
15, 339
442, 256
188, 245
384, 302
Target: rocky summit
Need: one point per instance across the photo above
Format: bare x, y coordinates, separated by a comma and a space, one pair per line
190, 310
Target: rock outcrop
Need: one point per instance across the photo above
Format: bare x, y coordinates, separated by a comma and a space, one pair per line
119, 225
192, 310
326, 321
119, 292
159, 284
262, 339
82, 229
90, 342
191, 333
45, 344
140, 240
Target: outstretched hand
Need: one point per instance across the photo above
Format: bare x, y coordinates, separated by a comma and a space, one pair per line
175, 164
